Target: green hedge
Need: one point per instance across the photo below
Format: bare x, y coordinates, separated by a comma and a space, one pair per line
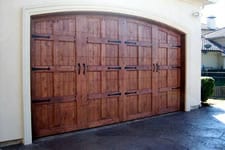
207, 87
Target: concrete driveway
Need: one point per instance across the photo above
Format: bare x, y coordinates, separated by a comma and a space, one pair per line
201, 129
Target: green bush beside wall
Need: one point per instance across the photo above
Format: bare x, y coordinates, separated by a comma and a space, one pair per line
207, 87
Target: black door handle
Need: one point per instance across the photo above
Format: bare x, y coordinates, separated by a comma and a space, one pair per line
157, 67
153, 68
78, 68
84, 69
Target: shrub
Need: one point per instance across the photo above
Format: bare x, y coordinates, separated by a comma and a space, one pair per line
207, 86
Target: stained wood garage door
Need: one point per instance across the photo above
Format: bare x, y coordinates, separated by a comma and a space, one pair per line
93, 70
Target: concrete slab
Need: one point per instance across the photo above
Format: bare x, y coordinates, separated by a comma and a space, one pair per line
196, 130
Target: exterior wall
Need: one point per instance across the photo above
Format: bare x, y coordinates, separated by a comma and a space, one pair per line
212, 60
12, 97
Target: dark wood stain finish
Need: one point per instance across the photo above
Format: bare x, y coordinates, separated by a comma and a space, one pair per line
93, 70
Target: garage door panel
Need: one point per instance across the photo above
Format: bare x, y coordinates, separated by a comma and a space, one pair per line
132, 30
68, 113
110, 109
130, 55
162, 103
174, 79
52, 118
145, 56
144, 33
111, 56
145, 103
42, 26
145, 80
163, 58
94, 82
42, 52
112, 84
94, 110
43, 121
42, 83
111, 28
94, 26
131, 80
64, 84
65, 25
163, 78
173, 39
174, 54
131, 105
65, 54
94, 54
174, 99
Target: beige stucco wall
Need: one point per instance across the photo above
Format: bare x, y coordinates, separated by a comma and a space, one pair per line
212, 60
176, 13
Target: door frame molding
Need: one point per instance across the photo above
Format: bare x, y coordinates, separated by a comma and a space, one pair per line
57, 7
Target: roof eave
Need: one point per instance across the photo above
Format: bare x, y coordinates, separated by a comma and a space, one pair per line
207, 2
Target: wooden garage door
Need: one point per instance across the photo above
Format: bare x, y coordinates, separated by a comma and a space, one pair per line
93, 70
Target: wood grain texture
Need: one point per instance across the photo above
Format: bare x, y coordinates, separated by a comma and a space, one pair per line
92, 70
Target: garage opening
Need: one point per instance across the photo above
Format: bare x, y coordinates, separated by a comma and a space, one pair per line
89, 70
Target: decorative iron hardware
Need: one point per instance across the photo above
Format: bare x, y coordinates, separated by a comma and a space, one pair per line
130, 43
38, 68
177, 46
41, 101
115, 68
174, 88
175, 67
78, 68
128, 93
130, 67
114, 41
114, 94
40, 36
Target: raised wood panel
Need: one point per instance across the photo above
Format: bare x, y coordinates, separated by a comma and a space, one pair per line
65, 54
163, 57
174, 54
144, 56
145, 80
42, 26
64, 84
145, 103
65, 26
94, 82
174, 99
42, 52
112, 78
42, 85
174, 79
162, 83
132, 105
